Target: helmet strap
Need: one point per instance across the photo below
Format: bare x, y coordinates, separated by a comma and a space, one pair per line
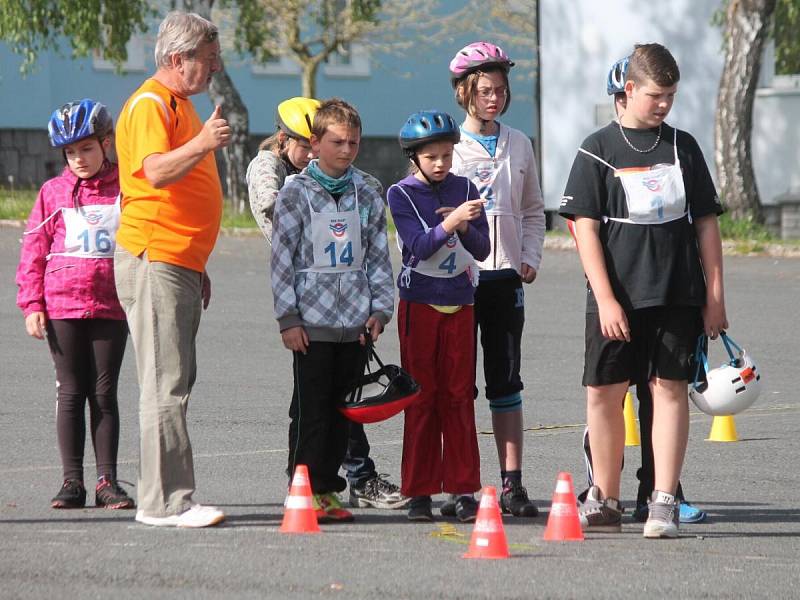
415, 160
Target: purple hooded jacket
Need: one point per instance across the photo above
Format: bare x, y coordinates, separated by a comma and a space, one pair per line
418, 245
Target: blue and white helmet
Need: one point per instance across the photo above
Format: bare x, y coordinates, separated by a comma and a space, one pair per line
78, 120
427, 126
615, 83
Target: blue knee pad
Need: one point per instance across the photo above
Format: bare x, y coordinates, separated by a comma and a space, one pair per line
506, 404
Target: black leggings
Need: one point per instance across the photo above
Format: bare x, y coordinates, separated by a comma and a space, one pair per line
88, 355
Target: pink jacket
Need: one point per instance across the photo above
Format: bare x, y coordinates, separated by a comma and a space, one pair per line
66, 287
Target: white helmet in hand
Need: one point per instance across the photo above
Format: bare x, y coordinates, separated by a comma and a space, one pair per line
728, 389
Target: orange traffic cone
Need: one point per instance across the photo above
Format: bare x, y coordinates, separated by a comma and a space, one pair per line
299, 515
563, 524
488, 536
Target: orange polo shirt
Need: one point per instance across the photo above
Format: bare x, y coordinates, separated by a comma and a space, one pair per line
179, 223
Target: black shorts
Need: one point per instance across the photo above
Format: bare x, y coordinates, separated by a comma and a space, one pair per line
500, 316
663, 342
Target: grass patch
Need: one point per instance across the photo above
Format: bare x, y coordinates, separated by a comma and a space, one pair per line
745, 230
232, 219
16, 204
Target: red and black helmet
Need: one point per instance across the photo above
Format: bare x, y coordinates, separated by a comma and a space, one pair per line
379, 395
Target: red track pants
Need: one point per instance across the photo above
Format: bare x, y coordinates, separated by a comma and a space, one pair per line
440, 444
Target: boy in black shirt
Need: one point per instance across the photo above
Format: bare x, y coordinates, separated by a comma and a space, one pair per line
645, 212
615, 86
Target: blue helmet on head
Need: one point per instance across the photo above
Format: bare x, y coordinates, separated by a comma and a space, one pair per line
615, 83
428, 126
78, 120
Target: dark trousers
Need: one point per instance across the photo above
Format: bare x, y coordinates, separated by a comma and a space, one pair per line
646, 474
357, 464
87, 354
318, 432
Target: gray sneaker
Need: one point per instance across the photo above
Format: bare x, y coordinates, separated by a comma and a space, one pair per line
377, 492
664, 516
600, 515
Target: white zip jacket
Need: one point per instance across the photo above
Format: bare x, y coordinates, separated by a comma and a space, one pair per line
516, 219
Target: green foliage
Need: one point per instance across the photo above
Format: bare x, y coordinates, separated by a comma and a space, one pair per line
16, 204
786, 25
787, 38
264, 26
30, 27
744, 230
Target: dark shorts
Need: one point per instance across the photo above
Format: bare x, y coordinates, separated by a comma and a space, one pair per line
663, 341
500, 317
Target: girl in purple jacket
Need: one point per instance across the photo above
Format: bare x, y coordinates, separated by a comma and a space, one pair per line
67, 294
441, 225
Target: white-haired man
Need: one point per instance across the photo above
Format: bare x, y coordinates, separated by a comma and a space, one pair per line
171, 211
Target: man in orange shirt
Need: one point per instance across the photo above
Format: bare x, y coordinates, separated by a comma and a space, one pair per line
171, 211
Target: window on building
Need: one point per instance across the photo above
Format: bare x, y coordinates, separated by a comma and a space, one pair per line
351, 60
785, 62
277, 65
135, 61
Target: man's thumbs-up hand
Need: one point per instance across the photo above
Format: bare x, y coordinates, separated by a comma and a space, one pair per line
216, 132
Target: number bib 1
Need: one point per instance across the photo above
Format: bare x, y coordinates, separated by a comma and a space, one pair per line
90, 230
336, 238
451, 260
652, 196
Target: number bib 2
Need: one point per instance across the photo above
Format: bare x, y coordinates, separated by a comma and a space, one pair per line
492, 177
90, 230
336, 238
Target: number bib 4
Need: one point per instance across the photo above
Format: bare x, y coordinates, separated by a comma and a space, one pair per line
448, 261
336, 238
90, 231
451, 260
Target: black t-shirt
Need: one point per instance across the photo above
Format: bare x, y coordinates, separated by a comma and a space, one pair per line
648, 265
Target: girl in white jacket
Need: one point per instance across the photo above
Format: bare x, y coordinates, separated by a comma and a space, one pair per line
501, 163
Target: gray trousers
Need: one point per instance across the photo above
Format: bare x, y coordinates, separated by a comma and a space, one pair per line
163, 305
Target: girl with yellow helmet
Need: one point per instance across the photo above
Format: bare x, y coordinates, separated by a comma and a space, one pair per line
284, 153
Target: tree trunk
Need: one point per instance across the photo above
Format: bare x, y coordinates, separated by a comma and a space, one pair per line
224, 93
746, 29
309, 78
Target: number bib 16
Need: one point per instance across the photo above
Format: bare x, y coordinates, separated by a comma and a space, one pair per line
90, 231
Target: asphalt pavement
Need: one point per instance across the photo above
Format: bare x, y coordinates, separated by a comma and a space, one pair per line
748, 548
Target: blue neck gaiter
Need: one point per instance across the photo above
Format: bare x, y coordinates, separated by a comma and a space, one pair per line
331, 184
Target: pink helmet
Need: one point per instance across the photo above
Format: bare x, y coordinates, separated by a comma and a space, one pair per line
476, 55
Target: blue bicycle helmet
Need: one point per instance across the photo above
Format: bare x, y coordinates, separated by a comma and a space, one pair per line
615, 84
428, 126
78, 120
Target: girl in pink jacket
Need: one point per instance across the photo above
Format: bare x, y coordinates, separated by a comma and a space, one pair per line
67, 294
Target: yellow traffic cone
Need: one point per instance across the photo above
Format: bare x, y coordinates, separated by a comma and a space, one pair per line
723, 429
631, 426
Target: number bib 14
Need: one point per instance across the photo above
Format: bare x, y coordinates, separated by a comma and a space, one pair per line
336, 238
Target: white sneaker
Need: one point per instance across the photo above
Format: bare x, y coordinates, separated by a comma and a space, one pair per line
196, 516
663, 517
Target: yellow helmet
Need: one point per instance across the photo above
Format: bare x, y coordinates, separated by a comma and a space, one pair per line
295, 115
